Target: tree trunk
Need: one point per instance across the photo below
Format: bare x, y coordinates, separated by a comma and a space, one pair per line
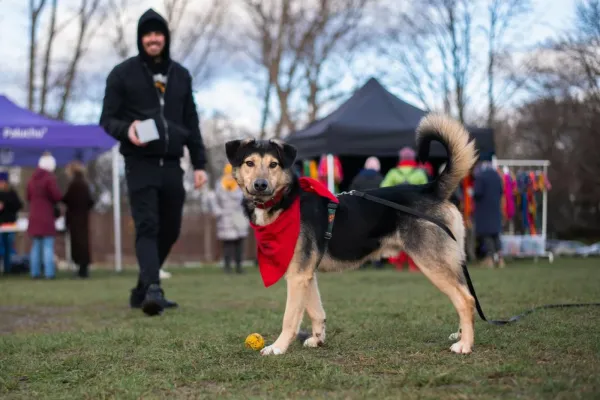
47, 55
265, 110
34, 13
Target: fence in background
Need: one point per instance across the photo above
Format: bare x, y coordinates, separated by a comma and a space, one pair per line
197, 243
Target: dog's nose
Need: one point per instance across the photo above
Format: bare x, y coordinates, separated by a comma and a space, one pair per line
260, 185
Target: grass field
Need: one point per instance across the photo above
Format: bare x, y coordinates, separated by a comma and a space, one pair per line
387, 338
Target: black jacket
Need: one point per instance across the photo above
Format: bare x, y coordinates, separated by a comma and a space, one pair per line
131, 95
11, 206
366, 179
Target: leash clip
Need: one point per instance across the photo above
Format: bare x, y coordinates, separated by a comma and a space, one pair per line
350, 193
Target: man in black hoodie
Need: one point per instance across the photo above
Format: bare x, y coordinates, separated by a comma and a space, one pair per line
153, 86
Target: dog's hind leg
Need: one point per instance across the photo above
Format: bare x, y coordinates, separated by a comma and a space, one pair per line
297, 290
450, 283
315, 311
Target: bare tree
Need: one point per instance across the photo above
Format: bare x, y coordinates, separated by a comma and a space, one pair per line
502, 15
90, 18
561, 124
47, 55
434, 30
35, 10
118, 19
293, 41
340, 35
196, 34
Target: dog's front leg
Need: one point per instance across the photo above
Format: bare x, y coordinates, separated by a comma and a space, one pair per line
297, 287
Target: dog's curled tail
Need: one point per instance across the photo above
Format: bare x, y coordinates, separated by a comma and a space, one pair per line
455, 138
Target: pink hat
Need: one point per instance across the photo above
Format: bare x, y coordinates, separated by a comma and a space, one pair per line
406, 153
372, 163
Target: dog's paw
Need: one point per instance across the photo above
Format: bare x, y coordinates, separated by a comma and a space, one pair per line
271, 350
455, 336
313, 342
461, 348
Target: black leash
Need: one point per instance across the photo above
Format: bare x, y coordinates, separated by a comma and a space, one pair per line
333, 206
516, 317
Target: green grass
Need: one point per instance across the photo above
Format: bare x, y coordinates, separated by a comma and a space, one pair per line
387, 337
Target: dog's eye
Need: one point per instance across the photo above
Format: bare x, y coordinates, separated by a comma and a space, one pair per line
250, 163
273, 165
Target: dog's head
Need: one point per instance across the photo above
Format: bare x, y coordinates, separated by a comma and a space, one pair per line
262, 168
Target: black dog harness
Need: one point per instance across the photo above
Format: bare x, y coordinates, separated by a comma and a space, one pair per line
332, 207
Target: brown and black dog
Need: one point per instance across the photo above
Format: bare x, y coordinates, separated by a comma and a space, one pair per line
363, 229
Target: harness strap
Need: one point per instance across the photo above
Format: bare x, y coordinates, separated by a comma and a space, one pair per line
402, 208
331, 209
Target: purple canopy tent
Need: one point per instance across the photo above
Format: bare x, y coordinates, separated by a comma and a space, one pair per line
25, 135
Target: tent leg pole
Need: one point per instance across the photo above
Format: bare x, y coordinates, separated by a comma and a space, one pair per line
545, 206
330, 173
117, 208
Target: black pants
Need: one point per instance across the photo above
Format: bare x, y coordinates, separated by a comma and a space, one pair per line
492, 245
232, 250
156, 197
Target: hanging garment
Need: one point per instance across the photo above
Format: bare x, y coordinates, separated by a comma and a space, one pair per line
509, 199
523, 183
531, 206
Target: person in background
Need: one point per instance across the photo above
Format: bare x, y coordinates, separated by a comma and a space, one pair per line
488, 192
151, 85
369, 177
232, 224
10, 204
406, 172
43, 196
79, 202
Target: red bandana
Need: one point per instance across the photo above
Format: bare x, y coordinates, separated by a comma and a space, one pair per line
276, 242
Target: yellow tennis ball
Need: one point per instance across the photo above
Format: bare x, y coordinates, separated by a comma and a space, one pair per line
255, 341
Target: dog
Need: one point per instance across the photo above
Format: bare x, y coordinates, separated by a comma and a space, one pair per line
363, 230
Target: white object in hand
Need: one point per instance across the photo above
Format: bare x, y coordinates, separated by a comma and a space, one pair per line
146, 131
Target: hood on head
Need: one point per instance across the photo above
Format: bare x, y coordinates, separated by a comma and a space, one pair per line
153, 21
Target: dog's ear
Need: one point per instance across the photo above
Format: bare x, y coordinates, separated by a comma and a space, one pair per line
287, 152
231, 149
289, 155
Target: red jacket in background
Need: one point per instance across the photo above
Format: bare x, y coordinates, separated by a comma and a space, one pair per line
42, 195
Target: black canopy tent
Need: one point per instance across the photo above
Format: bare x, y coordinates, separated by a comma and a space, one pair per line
372, 122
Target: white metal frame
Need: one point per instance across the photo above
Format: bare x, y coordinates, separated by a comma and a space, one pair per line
544, 164
116, 182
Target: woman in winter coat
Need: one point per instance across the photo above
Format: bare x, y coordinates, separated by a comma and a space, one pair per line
43, 195
10, 204
488, 193
79, 202
368, 177
232, 224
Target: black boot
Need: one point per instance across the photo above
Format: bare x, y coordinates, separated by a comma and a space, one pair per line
238, 269
154, 302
